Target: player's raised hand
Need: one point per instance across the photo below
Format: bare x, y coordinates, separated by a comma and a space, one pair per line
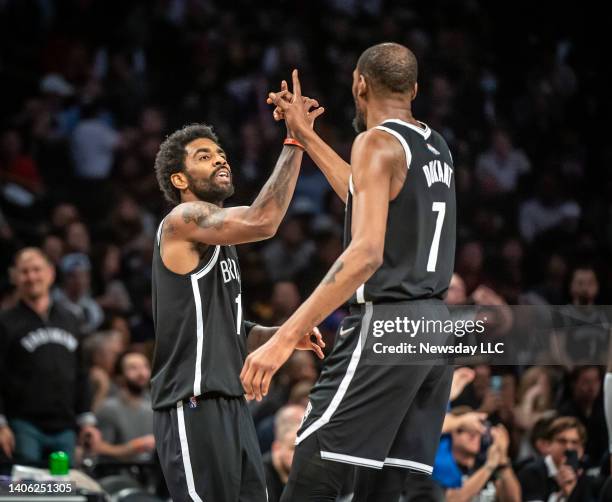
295, 109
311, 103
313, 340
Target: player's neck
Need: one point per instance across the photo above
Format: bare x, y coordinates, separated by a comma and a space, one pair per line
381, 110
189, 197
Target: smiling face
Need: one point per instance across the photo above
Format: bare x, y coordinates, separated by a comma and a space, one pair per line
207, 174
33, 275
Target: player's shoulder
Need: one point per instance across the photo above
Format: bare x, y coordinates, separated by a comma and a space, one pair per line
375, 141
189, 212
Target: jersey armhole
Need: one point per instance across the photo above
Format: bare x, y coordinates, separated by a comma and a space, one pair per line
402, 141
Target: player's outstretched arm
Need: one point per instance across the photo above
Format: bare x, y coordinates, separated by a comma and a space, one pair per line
336, 170
373, 159
207, 223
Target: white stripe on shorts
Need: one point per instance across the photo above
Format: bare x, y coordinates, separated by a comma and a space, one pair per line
185, 453
346, 380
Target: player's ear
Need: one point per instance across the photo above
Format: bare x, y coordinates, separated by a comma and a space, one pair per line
415, 91
362, 86
179, 180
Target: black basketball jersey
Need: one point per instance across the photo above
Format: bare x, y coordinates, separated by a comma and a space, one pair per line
419, 250
200, 341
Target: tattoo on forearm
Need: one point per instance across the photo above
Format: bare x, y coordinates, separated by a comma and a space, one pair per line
277, 187
204, 215
330, 278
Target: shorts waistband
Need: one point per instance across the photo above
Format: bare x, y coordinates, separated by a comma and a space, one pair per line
209, 395
358, 308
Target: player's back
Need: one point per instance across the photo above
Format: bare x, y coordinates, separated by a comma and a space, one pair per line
419, 249
199, 332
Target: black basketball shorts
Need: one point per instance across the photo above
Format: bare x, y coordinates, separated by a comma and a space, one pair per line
373, 412
208, 451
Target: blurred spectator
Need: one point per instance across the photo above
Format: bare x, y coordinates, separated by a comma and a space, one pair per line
499, 168
472, 420
285, 300
328, 246
535, 399
277, 462
101, 353
53, 247
464, 476
77, 238
584, 286
93, 144
288, 255
44, 389
126, 420
549, 209
16, 166
470, 262
62, 215
553, 477
111, 293
128, 223
75, 292
585, 402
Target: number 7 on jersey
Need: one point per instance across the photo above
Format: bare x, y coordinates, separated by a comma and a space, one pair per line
440, 208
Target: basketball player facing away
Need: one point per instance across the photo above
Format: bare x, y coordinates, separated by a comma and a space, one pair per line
398, 260
204, 433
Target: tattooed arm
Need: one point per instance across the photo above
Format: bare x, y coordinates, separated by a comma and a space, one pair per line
207, 223
373, 159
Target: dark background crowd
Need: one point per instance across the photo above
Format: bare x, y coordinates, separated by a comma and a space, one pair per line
91, 88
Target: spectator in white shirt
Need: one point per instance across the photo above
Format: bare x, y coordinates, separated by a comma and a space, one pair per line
499, 168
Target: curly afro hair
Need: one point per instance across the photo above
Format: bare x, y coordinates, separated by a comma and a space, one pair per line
171, 157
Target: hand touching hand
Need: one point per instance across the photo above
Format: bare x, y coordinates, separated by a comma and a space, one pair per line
294, 108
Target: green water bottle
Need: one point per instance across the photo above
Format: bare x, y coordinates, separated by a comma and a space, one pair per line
59, 463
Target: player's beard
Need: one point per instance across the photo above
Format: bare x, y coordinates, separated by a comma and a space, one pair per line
359, 122
208, 190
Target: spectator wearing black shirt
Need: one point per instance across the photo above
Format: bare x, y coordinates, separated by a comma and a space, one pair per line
550, 478
586, 404
44, 390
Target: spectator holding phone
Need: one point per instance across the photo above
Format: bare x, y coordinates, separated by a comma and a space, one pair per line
558, 477
465, 475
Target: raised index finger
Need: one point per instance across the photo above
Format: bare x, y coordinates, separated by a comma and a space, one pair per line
297, 88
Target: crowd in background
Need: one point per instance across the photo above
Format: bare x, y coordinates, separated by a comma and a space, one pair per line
91, 88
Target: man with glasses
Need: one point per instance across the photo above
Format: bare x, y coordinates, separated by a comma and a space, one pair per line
557, 476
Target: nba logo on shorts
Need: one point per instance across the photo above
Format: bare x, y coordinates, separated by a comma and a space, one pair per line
193, 402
